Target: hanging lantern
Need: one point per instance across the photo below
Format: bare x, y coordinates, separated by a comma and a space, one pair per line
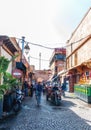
27, 48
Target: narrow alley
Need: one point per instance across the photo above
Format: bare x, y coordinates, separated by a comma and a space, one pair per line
73, 114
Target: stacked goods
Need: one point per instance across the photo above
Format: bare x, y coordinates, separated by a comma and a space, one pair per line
83, 91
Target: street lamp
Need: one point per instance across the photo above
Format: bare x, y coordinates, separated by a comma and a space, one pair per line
26, 48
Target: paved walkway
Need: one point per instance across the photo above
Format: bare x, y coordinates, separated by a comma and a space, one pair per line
73, 114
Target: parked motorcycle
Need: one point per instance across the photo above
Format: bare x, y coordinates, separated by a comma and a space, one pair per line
56, 97
18, 100
12, 102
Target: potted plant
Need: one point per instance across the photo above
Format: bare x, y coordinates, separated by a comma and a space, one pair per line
8, 82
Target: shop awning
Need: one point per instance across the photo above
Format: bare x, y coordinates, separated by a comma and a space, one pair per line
21, 66
55, 78
80, 67
87, 63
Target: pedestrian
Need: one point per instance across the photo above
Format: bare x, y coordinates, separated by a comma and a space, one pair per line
31, 90
38, 92
43, 88
26, 88
63, 87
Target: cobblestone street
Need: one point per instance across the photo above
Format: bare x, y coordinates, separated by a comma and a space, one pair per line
73, 114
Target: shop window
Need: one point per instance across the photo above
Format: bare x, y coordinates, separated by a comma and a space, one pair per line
87, 74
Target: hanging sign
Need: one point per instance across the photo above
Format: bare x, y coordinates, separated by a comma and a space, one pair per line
17, 73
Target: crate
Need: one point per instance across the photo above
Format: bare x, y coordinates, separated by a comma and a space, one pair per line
83, 92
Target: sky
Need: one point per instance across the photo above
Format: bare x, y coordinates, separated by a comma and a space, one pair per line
43, 22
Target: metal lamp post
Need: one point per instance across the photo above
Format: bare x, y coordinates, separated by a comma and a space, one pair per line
23, 38
26, 48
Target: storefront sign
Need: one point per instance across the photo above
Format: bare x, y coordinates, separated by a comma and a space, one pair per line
17, 73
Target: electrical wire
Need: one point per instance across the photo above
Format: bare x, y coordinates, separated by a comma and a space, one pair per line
78, 40
57, 47
38, 58
36, 44
50, 47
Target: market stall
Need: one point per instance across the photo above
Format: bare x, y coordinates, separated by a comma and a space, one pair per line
83, 89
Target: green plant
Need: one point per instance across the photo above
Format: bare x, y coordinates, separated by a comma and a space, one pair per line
8, 80
4, 62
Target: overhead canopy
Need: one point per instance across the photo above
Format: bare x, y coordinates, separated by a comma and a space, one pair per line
21, 66
7, 43
87, 63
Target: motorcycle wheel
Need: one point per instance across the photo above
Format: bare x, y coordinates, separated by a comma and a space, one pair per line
17, 107
53, 98
57, 101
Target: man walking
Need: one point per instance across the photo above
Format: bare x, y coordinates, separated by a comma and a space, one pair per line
38, 92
